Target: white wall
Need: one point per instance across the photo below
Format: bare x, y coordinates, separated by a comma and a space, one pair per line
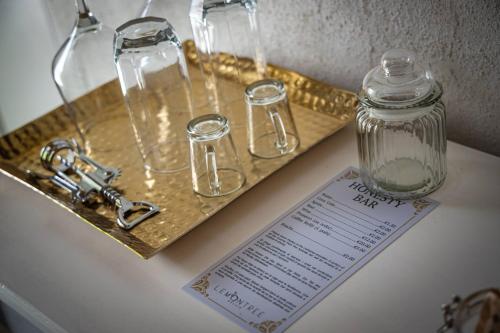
26, 48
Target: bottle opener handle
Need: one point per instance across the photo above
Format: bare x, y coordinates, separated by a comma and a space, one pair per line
127, 208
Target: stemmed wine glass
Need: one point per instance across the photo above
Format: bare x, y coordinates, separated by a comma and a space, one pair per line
83, 63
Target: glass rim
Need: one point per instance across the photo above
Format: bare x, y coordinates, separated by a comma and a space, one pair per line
144, 32
139, 20
253, 98
218, 132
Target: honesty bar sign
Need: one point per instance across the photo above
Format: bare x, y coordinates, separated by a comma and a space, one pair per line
275, 277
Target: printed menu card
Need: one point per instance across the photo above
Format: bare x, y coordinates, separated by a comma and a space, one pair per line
280, 273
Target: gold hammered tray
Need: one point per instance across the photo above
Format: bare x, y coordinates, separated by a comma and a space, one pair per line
319, 111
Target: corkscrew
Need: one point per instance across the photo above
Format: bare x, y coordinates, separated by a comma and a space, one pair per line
63, 157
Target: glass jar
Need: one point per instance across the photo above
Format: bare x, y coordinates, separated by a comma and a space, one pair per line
401, 128
476, 313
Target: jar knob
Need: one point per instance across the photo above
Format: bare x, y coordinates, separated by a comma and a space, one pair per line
398, 62
398, 81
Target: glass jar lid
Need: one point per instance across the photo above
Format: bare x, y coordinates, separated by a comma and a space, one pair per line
399, 82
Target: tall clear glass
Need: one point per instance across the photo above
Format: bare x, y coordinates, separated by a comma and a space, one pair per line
83, 63
222, 28
157, 90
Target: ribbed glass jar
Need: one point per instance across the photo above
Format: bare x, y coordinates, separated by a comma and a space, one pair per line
401, 134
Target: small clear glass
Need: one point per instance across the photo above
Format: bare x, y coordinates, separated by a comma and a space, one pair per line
270, 126
215, 167
83, 63
225, 31
401, 128
157, 91
477, 313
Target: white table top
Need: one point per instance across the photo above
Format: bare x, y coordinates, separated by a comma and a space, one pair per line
86, 282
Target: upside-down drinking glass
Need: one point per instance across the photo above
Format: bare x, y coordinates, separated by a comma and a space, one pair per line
157, 91
215, 166
271, 130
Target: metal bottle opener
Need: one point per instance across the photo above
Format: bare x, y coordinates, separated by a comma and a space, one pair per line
60, 157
